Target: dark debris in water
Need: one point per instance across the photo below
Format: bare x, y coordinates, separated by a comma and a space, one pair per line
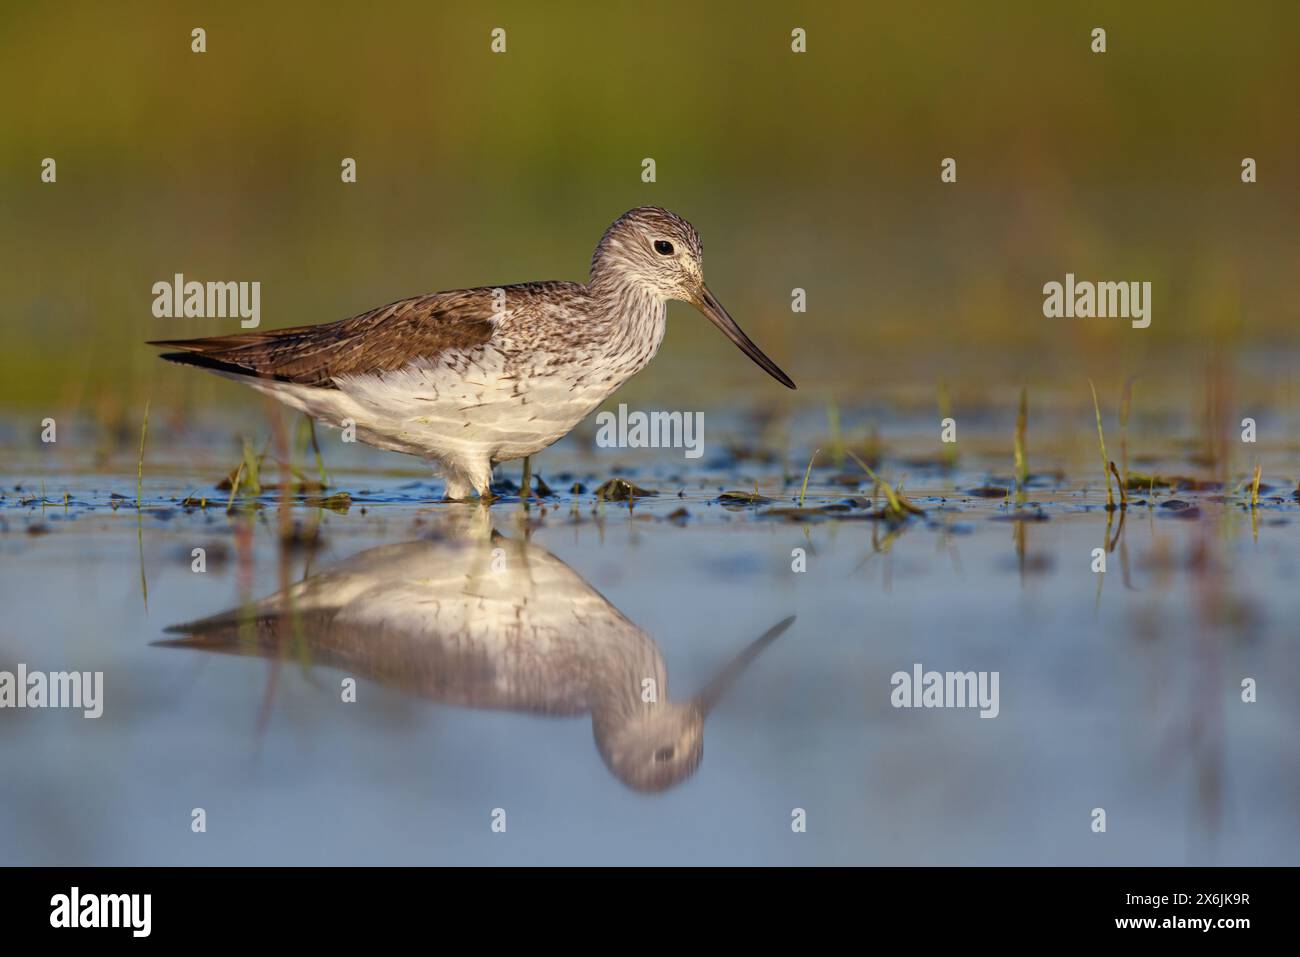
621, 490
849, 510
1022, 515
1139, 481
338, 502
743, 499
812, 514
989, 491
1177, 508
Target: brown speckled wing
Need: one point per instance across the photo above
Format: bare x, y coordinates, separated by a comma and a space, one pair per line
382, 340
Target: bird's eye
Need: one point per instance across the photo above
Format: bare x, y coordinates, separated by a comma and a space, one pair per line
663, 247
664, 754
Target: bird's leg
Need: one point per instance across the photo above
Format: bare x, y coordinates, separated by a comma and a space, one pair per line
459, 489
464, 478
526, 492
480, 476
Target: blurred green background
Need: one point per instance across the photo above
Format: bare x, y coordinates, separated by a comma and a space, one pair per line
818, 171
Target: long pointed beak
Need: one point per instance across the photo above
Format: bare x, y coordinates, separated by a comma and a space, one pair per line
716, 688
707, 304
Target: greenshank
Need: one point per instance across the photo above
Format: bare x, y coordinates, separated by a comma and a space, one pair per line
474, 377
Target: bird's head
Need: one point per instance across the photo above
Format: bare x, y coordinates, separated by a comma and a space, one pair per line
654, 745
656, 748
659, 254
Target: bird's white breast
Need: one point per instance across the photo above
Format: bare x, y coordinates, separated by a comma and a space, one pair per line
513, 396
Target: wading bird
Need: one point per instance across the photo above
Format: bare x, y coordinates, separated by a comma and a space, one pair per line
474, 377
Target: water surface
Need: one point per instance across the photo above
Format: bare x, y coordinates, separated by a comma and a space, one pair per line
516, 687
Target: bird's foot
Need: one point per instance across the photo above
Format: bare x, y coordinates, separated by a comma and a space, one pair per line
458, 492
485, 497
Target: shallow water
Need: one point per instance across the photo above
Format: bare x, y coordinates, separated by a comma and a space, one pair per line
476, 684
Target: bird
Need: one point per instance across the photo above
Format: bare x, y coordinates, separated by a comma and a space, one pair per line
471, 618
471, 378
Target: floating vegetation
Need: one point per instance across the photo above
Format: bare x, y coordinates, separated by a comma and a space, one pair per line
1137, 481
1123, 489
744, 499
307, 435
246, 474
252, 469
234, 487
819, 513
621, 490
1177, 508
139, 524
338, 502
1125, 403
1101, 439
898, 508
139, 466
803, 490
1022, 456
989, 491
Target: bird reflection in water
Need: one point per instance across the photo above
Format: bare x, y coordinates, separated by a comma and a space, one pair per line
479, 620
